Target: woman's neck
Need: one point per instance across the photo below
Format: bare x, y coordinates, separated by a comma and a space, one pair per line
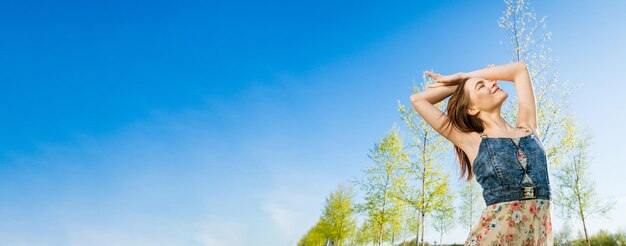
496, 123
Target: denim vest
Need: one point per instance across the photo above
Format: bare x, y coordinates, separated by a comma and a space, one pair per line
501, 175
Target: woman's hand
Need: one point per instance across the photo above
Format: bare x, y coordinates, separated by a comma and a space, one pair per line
443, 80
447, 80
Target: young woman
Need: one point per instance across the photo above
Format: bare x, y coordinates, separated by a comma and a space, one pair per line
508, 162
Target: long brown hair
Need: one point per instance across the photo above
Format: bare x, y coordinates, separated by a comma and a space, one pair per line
456, 109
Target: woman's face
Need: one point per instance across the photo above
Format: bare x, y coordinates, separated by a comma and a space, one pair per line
485, 95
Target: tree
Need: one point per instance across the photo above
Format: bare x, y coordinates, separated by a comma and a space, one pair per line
472, 203
576, 193
365, 234
338, 215
316, 236
396, 220
412, 223
443, 217
563, 236
427, 184
603, 237
381, 182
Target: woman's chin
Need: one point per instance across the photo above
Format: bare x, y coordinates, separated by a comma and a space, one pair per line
503, 95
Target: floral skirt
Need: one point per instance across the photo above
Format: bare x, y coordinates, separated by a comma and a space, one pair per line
519, 222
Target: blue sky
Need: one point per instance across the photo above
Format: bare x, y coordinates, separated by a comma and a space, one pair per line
214, 123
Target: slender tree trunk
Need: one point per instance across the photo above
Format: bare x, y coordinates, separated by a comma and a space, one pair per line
423, 183
584, 226
417, 234
422, 227
440, 238
404, 235
380, 235
580, 205
417, 231
382, 224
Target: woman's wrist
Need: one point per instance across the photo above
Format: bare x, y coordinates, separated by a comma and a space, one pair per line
461, 75
438, 94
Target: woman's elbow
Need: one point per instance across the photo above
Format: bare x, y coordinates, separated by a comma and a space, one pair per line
415, 97
418, 101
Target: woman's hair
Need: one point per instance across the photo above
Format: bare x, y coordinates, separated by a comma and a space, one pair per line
459, 118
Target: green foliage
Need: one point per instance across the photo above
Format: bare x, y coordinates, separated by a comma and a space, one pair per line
575, 193
564, 235
472, 203
396, 220
365, 234
316, 236
427, 186
337, 221
338, 215
443, 218
602, 237
380, 183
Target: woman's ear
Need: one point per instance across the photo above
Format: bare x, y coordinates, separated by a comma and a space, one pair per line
473, 110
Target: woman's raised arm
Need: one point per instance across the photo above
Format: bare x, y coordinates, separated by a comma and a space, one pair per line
424, 104
509, 72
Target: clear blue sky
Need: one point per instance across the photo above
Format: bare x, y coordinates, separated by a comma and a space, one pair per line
228, 123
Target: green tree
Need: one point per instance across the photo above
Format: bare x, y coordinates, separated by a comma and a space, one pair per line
427, 185
576, 193
396, 220
564, 235
365, 234
338, 215
412, 223
381, 181
602, 237
472, 203
316, 236
443, 217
